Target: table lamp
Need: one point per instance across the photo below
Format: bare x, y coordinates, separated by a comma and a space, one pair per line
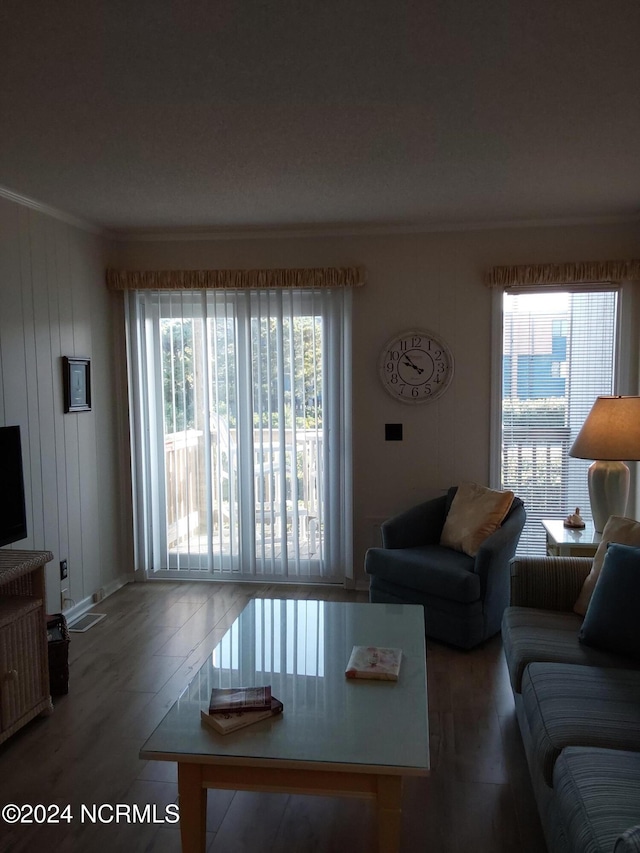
610, 434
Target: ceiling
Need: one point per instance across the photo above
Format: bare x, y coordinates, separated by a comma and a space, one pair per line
259, 114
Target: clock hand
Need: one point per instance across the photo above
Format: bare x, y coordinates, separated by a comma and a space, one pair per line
409, 363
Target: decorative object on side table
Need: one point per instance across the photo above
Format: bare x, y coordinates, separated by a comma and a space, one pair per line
76, 381
610, 434
415, 366
575, 520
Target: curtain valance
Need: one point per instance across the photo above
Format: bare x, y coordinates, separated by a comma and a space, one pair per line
589, 272
318, 277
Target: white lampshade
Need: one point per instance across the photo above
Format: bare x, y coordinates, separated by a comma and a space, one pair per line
610, 434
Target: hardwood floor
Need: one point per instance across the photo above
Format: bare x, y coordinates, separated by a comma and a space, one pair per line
128, 670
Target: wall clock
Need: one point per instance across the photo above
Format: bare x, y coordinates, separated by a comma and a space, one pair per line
415, 366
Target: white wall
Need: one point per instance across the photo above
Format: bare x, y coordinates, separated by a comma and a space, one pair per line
53, 302
414, 280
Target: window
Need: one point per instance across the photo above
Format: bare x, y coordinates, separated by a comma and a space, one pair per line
242, 433
558, 355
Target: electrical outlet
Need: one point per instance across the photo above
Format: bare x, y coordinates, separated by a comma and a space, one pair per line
64, 597
64, 571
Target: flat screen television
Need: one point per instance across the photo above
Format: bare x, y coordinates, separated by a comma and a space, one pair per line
13, 516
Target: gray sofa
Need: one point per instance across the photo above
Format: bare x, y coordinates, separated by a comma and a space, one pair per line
578, 709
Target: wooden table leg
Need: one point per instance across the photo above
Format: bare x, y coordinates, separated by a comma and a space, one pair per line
389, 809
192, 800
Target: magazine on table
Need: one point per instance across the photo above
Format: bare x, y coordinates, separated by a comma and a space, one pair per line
240, 699
374, 662
230, 721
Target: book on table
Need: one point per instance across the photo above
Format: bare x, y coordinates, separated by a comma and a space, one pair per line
374, 662
240, 699
230, 721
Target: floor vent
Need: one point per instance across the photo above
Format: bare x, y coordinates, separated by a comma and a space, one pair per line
85, 622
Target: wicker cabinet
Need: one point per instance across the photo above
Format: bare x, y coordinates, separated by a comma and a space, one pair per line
24, 668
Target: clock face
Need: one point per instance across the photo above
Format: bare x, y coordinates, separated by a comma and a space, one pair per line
415, 366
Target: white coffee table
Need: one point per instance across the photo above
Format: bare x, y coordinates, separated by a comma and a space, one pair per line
337, 736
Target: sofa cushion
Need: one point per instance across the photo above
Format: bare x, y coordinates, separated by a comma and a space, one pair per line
598, 798
476, 512
625, 531
529, 635
429, 568
569, 705
629, 841
612, 617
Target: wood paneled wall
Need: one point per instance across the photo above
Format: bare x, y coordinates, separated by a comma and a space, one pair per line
53, 302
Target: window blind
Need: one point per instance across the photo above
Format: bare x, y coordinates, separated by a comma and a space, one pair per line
558, 355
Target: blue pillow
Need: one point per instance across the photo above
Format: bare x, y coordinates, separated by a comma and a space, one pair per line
612, 620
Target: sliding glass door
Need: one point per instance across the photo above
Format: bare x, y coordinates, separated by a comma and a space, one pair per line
242, 433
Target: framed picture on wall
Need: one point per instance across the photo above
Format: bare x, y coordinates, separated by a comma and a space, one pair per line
76, 383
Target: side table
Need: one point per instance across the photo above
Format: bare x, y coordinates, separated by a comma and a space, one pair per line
570, 541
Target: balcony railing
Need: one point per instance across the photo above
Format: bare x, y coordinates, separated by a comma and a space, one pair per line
531, 456
535, 465
287, 488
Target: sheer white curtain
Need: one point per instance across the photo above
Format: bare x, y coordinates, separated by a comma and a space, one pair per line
241, 432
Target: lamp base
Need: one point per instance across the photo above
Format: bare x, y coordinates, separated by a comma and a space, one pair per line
608, 491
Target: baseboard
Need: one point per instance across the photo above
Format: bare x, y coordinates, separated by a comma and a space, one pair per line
79, 609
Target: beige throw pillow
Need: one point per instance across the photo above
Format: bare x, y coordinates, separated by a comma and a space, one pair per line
623, 531
476, 512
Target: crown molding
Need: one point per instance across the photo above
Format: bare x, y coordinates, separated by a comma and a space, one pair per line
355, 229
68, 218
315, 231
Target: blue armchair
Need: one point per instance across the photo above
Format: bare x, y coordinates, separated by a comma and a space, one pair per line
463, 597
